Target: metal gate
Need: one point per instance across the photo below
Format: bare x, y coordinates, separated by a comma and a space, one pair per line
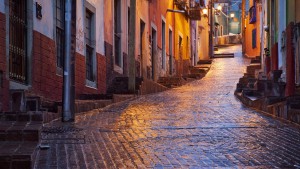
17, 40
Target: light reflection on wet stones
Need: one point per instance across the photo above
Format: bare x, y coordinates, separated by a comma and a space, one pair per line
200, 125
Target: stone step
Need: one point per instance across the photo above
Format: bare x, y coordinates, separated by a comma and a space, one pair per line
209, 61
170, 81
150, 86
17, 154
20, 131
95, 96
195, 70
120, 85
224, 55
195, 75
87, 105
21, 116
294, 115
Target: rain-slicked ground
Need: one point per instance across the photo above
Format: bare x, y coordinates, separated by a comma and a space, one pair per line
198, 125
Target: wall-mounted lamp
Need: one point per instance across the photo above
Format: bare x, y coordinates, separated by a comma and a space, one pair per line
205, 12
219, 7
232, 15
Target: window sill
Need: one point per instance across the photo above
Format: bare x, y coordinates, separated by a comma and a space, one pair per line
118, 69
90, 84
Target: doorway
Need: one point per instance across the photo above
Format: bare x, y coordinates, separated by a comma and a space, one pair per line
142, 31
170, 52
153, 53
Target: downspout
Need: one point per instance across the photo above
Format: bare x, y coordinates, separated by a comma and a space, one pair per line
174, 39
67, 114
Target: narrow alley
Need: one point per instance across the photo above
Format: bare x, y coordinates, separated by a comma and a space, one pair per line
198, 125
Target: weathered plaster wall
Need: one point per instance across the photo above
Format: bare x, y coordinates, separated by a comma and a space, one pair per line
203, 31
99, 5
45, 24
142, 56
2, 6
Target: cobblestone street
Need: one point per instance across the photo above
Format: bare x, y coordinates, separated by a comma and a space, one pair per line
198, 125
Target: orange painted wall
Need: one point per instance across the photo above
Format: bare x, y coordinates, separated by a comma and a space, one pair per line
252, 52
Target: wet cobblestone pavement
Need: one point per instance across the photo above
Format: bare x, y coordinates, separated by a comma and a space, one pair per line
199, 125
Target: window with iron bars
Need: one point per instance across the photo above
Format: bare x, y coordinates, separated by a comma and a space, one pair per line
89, 47
60, 32
18, 40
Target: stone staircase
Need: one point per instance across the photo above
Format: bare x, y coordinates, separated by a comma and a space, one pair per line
198, 71
120, 86
19, 141
149, 86
170, 82
267, 93
293, 108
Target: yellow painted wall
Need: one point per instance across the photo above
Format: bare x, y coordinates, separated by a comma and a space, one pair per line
182, 29
203, 41
252, 52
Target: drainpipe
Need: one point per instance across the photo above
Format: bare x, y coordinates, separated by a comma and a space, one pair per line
243, 26
67, 114
211, 46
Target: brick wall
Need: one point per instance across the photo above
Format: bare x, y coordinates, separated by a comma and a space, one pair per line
4, 87
45, 81
80, 75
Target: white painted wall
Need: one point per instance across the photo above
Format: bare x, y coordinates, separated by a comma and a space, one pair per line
44, 25
281, 28
2, 6
99, 28
79, 27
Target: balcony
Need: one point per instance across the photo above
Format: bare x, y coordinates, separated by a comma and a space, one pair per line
181, 4
191, 10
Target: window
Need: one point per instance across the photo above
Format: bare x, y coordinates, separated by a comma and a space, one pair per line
253, 38
18, 40
252, 12
163, 38
117, 30
170, 51
89, 46
60, 32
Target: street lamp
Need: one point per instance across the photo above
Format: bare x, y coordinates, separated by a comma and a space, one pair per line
219, 8
205, 12
232, 15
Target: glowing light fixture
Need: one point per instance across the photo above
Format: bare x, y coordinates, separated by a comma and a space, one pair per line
219, 7
204, 11
232, 15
